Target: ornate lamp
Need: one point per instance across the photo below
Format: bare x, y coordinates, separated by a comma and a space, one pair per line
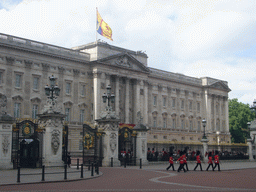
248, 133
204, 124
52, 89
110, 97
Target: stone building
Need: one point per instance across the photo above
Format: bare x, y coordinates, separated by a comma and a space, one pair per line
171, 105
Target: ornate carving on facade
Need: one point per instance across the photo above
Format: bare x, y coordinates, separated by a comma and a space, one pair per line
51, 107
45, 66
110, 126
143, 146
61, 69
76, 72
96, 74
3, 103
28, 63
139, 118
123, 61
113, 142
55, 140
35, 100
5, 144
52, 122
10, 60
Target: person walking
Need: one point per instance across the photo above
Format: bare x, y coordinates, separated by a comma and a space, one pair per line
216, 161
198, 160
181, 160
185, 160
171, 163
68, 159
210, 161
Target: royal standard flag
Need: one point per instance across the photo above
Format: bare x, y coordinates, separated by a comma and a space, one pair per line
103, 28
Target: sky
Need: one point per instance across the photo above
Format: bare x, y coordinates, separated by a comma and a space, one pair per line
198, 38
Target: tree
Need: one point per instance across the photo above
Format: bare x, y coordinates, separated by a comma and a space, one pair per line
239, 115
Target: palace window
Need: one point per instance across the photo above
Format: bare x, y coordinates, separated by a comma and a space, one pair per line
16, 110
164, 101
34, 111
67, 113
154, 121
190, 105
190, 125
68, 88
1, 77
173, 102
35, 83
154, 100
83, 90
164, 122
198, 107
18, 80
173, 123
182, 104
199, 125
182, 124
80, 144
82, 112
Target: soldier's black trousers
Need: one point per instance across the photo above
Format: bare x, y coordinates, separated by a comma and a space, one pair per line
209, 167
216, 164
197, 166
171, 165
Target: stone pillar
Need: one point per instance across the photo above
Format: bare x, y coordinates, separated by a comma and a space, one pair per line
141, 144
110, 140
52, 139
249, 143
137, 103
6, 141
127, 100
226, 115
145, 119
97, 94
205, 149
117, 99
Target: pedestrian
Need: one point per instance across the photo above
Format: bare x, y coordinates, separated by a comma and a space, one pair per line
171, 163
68, 159
181, 160
198, 160
216, 161
210, 161
185, 160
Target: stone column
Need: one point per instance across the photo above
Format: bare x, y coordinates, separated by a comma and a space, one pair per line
137, 103
52, 139
97, 94
117, 99
110, 140
226, 115
6, 141
249, 143
141, 144
205, 149
145, 118
127, 100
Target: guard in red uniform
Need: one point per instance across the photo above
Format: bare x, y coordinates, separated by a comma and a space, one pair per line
185, 160
198, 161
171, 163
216, 161
181, 160
210, 161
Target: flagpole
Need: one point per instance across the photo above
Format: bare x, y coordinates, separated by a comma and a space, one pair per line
96, 24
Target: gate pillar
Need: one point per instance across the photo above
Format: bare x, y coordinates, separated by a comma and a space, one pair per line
6, 122
52, 139
109, 140
141, 143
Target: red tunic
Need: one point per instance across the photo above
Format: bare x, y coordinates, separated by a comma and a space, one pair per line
171, 160
198, 159
181, 159
216, 159
210, 160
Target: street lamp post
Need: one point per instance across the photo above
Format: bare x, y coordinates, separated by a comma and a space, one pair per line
204, 124
248, 132
52, 89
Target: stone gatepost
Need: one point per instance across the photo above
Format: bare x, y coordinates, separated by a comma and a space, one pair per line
141, 144
249, 143
205, 148
52, 138
110, 127
6, 122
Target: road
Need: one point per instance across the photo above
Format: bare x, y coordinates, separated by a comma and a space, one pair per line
148, 180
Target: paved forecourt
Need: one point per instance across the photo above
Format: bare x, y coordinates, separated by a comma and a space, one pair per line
235, 176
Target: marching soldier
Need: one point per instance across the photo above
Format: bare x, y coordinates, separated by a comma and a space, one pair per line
171, 163
210, 161
198, 160
216, 160
181, 160
185, 160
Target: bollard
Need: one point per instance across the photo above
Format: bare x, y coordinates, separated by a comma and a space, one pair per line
65, 171
43, 167
77, 164
92, 170
18, 176
89, 165
111, 161
82, 171
97, 168
140, 163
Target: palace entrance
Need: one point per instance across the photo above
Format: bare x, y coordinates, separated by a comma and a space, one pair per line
26, 144
127, 144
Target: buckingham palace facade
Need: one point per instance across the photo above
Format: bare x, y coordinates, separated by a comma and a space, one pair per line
171, 105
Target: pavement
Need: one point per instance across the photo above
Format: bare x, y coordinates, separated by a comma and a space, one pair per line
9, 177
